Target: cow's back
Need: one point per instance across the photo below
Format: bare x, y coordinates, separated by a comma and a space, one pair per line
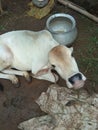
28, 47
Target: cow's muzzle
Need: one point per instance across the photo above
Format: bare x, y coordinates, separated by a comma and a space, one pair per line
77, 80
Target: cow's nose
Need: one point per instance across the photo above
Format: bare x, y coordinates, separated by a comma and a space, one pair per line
75, 77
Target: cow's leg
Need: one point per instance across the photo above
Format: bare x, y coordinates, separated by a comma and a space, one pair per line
17, 72
6, 58
12, 78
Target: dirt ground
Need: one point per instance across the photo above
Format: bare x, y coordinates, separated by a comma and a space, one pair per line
18, 104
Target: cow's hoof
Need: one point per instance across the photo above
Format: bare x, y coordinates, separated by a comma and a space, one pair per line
17, 85
29, 79
27, 76
14, 80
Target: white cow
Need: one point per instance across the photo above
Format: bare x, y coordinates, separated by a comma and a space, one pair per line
39, 53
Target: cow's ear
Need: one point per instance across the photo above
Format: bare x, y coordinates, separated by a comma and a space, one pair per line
44, 70
71, 49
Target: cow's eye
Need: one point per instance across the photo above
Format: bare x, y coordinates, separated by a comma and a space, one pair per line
53, 66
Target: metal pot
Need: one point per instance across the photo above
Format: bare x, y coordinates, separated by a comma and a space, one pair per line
40, 3
62, 27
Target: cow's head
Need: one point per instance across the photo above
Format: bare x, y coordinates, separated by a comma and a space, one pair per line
65, 64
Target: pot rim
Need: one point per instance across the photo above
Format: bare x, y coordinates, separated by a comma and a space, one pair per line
60, 15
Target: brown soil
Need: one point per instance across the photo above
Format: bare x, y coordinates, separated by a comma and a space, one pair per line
18, 104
